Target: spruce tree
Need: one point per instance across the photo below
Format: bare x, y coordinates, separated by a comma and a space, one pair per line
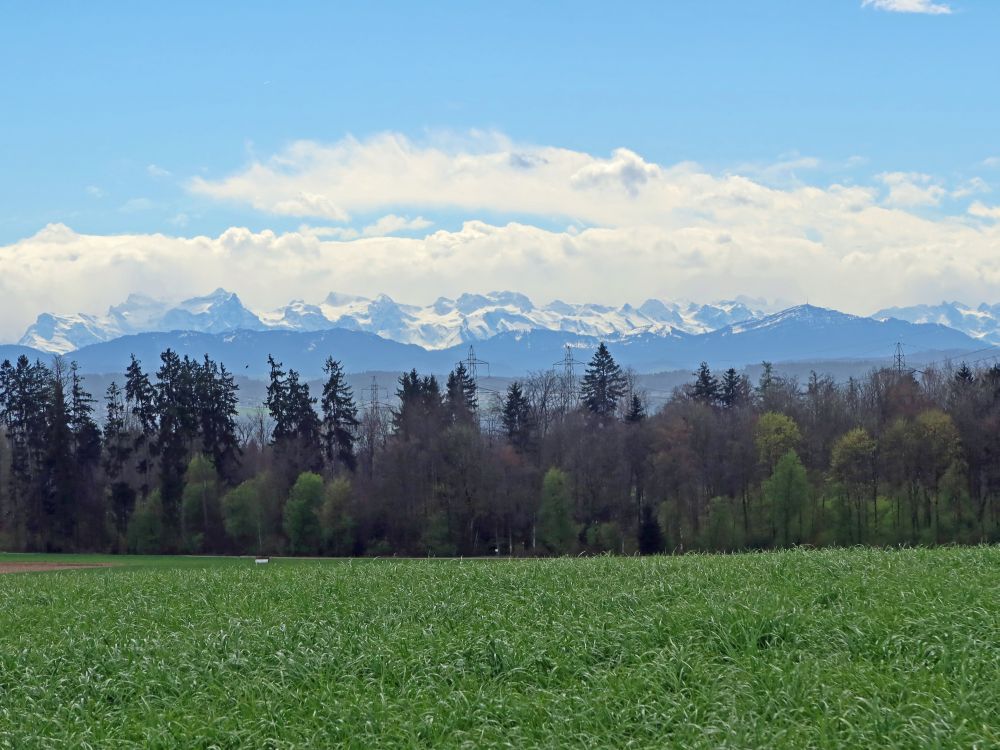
217, 397
705, 388
340, 418
603, 384
175, 414
59, 507
86, 434
461, 400
117, 451
277, 401
516, 417
636, 411
734, 390
140, 405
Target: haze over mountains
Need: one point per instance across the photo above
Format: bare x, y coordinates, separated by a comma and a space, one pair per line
509, 332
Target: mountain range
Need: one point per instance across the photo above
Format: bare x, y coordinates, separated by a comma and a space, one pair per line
982, 322
803, 333
440, 325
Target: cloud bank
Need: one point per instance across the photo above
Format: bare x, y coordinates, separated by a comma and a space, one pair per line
576, 226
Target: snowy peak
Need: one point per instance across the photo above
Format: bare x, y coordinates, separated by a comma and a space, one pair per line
214, 313
217, 312
444, 323
60, 334
982, 322
805, 315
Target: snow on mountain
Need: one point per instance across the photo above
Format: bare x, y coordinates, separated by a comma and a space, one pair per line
217, 312
476, 317
65, 333
214, 313
444, 323
982, 322
801, 334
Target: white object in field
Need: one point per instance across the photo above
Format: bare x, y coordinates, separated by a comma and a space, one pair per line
262, 560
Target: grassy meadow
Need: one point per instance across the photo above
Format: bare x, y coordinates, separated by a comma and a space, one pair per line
829, 648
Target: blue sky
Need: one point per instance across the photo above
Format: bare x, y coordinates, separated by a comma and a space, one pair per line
111, 112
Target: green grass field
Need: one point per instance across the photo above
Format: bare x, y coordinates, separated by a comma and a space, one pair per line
848, 648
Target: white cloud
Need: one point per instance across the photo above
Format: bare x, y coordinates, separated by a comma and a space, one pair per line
983, 211
837, 245
782, 173
157, 172
636, 229
911, 189
909, 6
94, 192
992, 162
392, 224
387, 225
624, 169
482, 172
971, 186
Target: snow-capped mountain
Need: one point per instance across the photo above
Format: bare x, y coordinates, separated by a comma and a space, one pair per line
982, 322
217, 312
444, 323
476, 317
799, 334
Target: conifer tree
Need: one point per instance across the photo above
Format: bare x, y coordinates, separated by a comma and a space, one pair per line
461, 400
516, 417
174, 400
140, 405
340, 417
117, 451
603, 384
86, 434
420, 404
734, 391
59, 508
636, 411
705, 388
296, 433
217, 397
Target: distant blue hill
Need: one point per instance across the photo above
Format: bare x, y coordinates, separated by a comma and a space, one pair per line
13, 351
245, 352
803, 333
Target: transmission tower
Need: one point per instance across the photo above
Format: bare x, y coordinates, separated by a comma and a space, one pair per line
899, 360
568, 363
569, 384
374, 426
472, 366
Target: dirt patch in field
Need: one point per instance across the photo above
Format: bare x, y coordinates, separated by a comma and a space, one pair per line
35, 567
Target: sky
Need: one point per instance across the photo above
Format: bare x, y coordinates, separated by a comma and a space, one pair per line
841, 151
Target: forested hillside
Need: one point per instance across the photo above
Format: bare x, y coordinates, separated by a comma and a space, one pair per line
165, 462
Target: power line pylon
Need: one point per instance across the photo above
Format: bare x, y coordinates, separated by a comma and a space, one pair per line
569, 384
899, 362
472, 366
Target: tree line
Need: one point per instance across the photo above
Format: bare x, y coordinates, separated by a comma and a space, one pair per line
170, 463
